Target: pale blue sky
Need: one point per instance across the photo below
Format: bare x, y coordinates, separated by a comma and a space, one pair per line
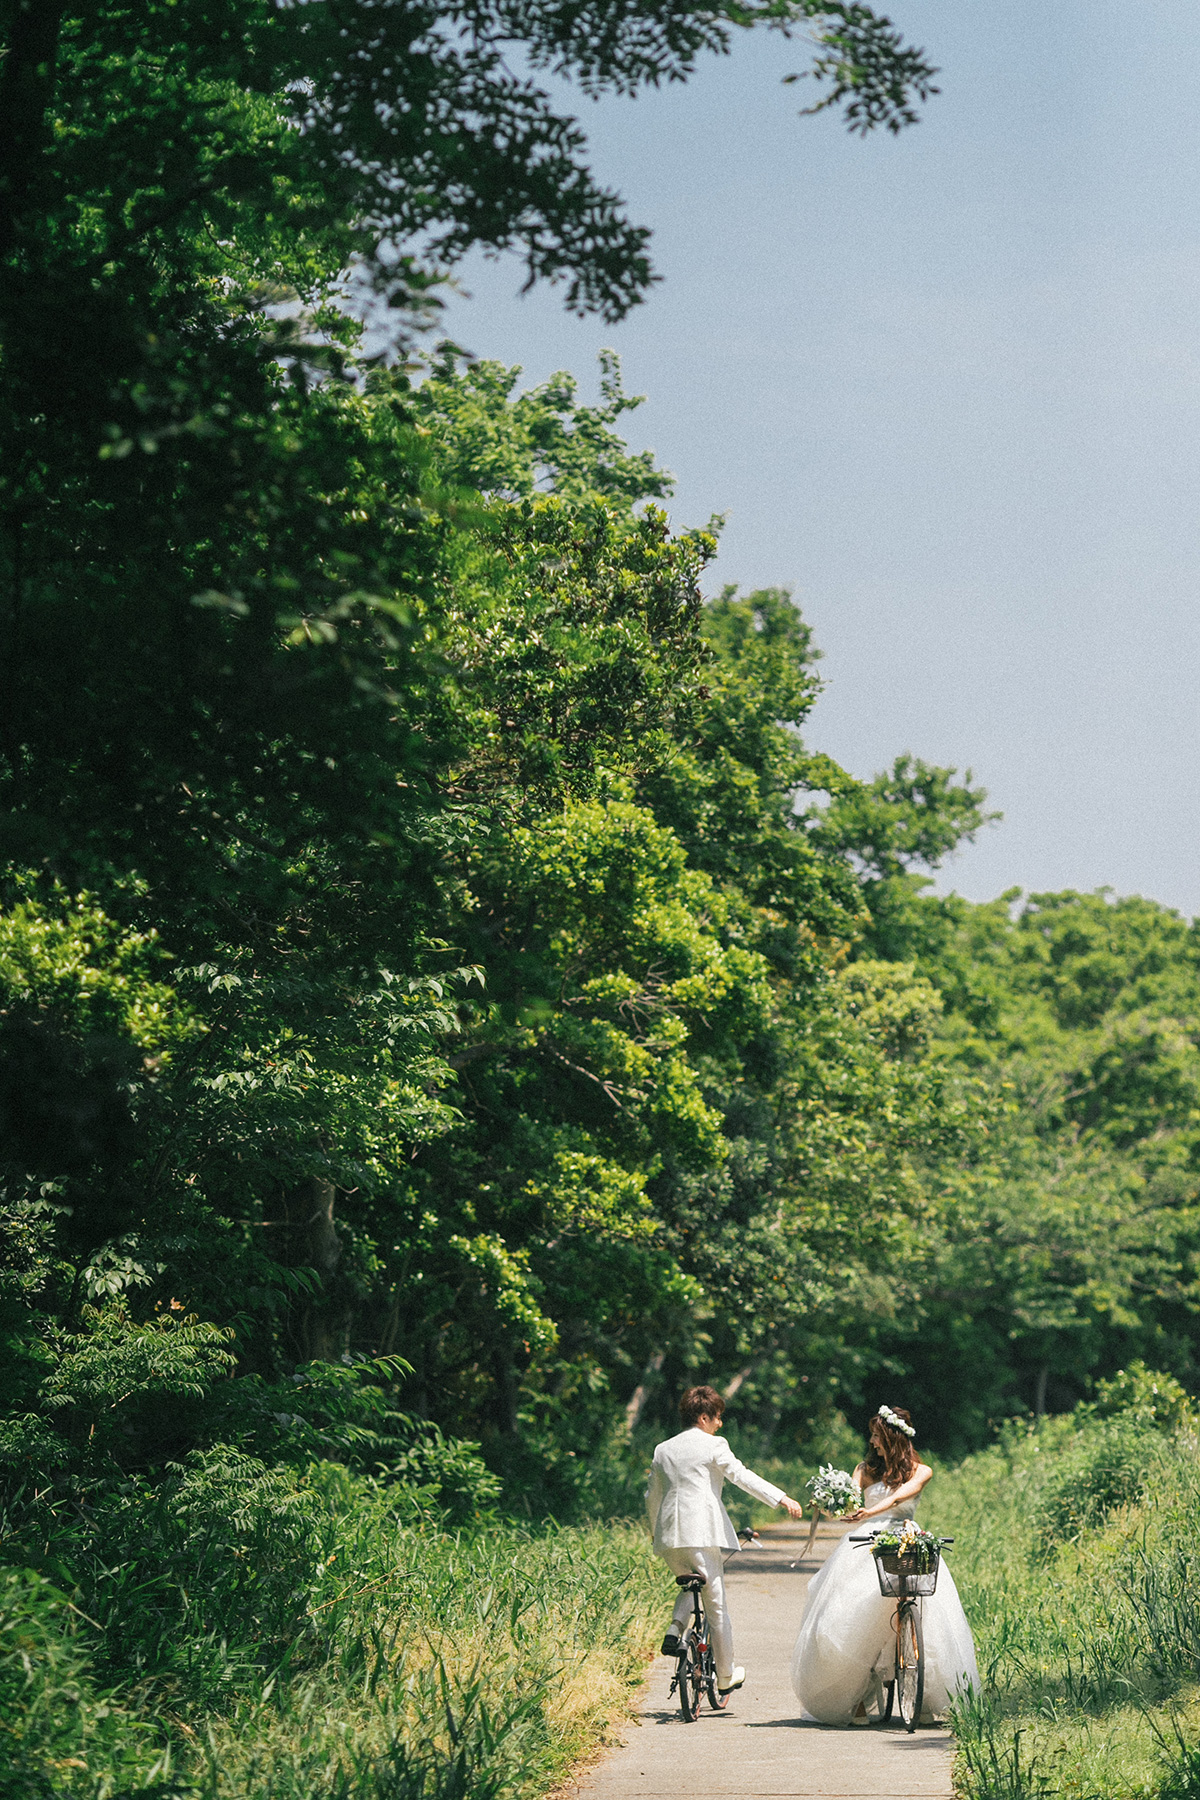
947, 388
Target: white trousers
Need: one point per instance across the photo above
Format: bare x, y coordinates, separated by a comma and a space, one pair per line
711, 1564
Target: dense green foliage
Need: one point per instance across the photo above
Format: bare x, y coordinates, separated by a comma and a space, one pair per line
1068, 1236
416, 942
367, 1026
314, 676
444, 1003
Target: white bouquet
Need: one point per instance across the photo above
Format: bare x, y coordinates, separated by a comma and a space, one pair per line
835, 1492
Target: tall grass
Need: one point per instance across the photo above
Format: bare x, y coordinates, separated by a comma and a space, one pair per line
1077, 1552
469, 1666
366, 1659
243, 1634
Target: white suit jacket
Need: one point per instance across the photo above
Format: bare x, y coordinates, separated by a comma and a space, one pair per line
684, 1496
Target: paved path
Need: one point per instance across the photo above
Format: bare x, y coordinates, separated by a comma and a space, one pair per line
759, 1748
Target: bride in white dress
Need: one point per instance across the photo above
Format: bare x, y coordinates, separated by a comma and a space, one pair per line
845, 1648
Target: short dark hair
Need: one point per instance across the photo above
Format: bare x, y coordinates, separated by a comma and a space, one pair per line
701, 1402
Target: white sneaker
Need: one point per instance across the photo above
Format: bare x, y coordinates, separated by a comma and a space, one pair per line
735, 1680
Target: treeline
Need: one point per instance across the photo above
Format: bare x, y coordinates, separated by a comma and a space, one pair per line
480, 986
493, 1009
1066, 1240
441, 996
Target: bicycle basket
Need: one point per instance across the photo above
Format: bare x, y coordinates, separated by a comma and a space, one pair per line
905, 1576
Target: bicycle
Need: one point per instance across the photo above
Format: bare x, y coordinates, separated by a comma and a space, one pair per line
695, 1667
903, 1579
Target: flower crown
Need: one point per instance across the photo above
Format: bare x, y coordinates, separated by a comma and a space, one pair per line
893, 1418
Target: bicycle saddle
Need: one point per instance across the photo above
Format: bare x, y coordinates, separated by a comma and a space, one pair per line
693, 1583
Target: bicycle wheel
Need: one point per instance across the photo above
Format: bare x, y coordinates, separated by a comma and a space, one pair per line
691, 1677
910, 1665
710, 1680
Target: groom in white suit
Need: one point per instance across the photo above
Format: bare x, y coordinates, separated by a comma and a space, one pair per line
692, 1530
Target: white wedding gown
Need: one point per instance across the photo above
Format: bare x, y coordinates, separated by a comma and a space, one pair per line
846, 1645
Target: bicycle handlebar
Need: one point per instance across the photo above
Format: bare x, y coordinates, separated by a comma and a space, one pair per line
872, 1535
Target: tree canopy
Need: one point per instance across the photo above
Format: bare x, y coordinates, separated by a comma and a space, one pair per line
427, 936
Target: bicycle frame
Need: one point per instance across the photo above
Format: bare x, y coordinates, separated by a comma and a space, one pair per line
694, 1666
699, 1616
907, 1687
694, 1671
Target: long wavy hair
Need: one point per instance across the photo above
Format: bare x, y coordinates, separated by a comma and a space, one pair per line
890, 1455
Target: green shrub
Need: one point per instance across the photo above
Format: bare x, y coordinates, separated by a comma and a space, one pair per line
449, 1470
1147, 1394
291, 1595
199, 1579
345, 1413
1088, 1633
123, 1389
1108, 1466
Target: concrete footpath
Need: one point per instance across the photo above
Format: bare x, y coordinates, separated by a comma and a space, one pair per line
760, 1747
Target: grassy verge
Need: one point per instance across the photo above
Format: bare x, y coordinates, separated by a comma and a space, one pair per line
1078, 1558
421, 1665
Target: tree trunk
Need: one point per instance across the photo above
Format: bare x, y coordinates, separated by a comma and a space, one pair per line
727, 1393
324, 1244
321, 1327
508, 1388
1039, 1396
637, 1399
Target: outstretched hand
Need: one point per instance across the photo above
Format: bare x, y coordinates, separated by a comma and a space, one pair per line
793, 1508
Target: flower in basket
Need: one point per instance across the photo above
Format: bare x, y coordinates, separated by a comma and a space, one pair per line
918, 1548
835, 1492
